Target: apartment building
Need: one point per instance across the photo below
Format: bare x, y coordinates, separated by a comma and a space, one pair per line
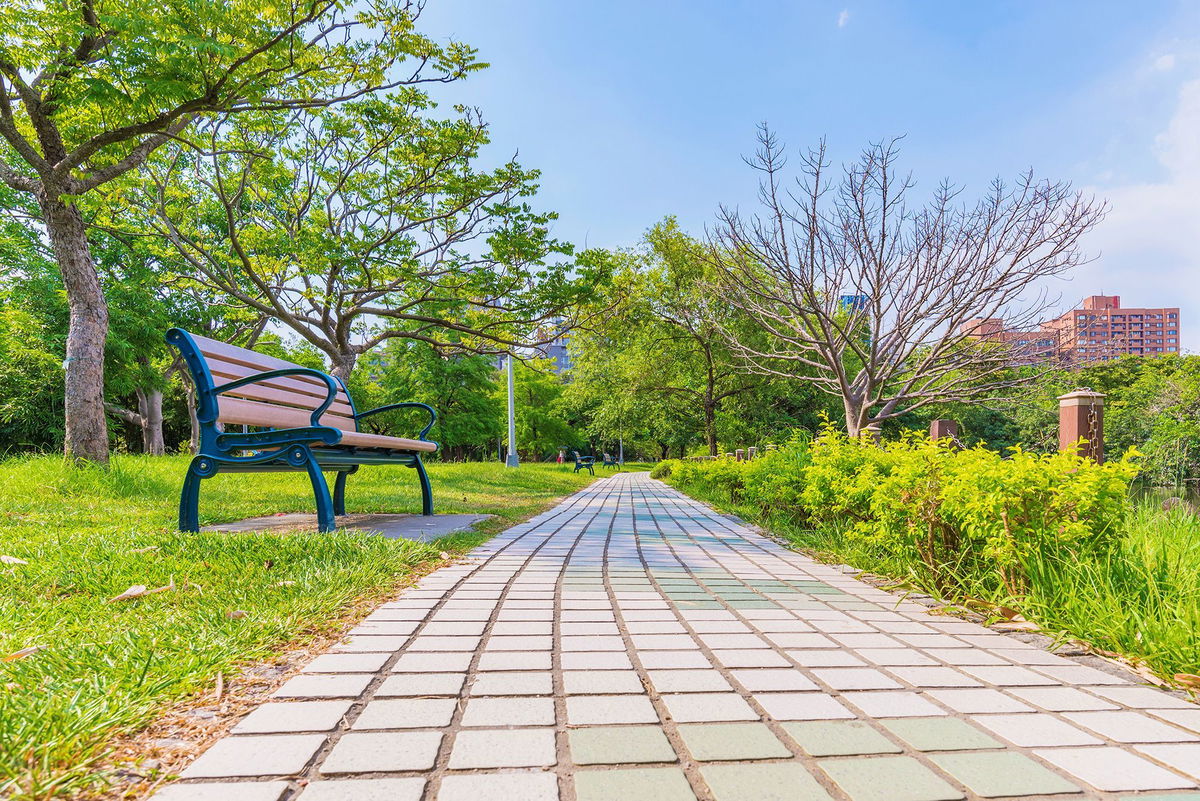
1099, 330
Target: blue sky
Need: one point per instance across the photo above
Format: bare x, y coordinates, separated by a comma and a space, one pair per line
638, 110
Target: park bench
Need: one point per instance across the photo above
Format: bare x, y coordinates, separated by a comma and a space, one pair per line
303, 419
587, 463
610, 461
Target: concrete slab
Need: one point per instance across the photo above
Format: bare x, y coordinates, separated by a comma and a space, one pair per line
408, 527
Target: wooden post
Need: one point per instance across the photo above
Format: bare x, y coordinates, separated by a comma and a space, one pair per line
738, 454
751, 453
1081, 417
943, 429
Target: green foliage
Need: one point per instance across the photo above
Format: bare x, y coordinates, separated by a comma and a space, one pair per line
952, 513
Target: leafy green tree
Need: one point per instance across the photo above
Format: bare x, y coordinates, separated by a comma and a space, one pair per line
368, 222
90, 89
542, 421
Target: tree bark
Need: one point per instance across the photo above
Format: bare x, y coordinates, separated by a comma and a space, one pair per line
710, 428
150, 403
343, 365
86, 425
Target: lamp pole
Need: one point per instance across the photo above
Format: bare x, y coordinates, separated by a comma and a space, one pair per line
512, 460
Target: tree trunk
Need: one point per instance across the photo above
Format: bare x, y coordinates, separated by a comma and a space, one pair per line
150, 410
342, 365
710, 428
86, 425
664, 450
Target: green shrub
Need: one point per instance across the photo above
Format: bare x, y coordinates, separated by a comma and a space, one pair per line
663, 469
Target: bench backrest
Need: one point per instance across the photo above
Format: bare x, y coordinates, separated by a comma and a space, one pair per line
282, 402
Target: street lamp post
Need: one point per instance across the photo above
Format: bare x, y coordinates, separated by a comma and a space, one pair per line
512, 460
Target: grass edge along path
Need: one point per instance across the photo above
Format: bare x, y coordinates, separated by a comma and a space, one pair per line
1139, 604
98, 670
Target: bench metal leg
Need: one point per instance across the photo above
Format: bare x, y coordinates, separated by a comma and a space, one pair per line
426, 489
339, 493
325, 521
189, 499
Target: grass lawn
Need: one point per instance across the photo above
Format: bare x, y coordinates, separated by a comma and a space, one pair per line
105, 668
1141, 599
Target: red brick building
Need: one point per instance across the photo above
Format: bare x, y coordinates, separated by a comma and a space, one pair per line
1099, 330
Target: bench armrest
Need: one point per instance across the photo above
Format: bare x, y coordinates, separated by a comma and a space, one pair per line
405, 405
330, 385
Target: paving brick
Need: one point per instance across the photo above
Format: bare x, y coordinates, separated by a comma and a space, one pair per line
626, 784
208, 791
499, 787
979, 701
347, 663
1142, 697
713, 742
673, 660
688, 681
407, 713
367, 752
596, 660
590, 710
779, 781
526, 683
419, 684
316, 685
839, 738
888, 779
363, 643
279, 755
1113, 769
293, 716
1035, 730
1061, 699
708, 707
509, 712
602, 682
503, 748
515, 660
934, 677
940, 734
1003, 774
614, 745
855, 679
1130, 727
407, 789
894, 704
432, 662
801, 706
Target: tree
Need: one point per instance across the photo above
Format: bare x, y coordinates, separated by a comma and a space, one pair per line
881, 301
365, 223
89, 89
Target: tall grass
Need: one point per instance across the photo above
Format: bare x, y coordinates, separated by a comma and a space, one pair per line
89, 534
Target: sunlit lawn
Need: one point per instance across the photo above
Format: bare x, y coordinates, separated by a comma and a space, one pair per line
87, 535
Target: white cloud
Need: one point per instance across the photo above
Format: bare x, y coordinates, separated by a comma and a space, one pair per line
843, 18
1165, 62
1149, 245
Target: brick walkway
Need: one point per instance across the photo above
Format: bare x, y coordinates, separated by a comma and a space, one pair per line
632, 644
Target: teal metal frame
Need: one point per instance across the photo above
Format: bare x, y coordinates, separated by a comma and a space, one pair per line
587, 463
312, 449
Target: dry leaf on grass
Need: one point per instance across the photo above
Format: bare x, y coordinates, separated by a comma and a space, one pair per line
24, 652
236, 614
12, 560
284, 583
136, 591
147, 549
164, 588
1189, 680
444, 555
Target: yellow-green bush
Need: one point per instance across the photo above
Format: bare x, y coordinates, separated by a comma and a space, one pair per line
951, 514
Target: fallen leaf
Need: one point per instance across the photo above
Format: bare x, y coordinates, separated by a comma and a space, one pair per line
12, 560
1016, 625
1188, 680
147, 549
136, 591
164, 588
24, 652
236, 614
269, 564
284, 583
444, 555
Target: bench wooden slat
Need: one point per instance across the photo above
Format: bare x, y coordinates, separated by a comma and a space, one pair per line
253, 413
278, 390
249, 413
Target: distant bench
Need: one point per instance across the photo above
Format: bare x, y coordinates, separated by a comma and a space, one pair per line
306, 420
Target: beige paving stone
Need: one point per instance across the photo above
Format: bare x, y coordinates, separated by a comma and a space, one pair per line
503, 748
1113, 769
293, 716
277, 755
208, 791
369, 752
406, 713
405, 789
317, 685
499, 787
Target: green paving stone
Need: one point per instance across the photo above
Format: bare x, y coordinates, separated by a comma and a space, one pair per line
700, 605
712, 742
772, 781
652, 784
940, 734
1003, 774
840, 738
888, 779
613, 745
764, 604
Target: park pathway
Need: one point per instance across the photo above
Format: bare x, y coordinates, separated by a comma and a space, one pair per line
633, 645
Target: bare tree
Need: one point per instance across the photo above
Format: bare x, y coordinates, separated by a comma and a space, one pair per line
882, 303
